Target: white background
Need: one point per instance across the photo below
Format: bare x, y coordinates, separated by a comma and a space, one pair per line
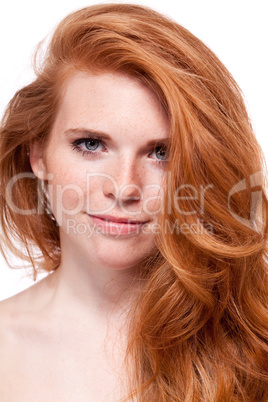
236, 30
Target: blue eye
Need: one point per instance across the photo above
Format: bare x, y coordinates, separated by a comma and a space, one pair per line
90, 146
162, 152
86, 145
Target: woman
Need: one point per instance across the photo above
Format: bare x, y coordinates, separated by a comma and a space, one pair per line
131, 167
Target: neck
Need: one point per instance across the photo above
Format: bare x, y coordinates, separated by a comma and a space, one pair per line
81, 288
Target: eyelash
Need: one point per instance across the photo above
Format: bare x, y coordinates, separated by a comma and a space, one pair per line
76, 146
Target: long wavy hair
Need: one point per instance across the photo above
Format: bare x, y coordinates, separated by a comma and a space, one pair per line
199, 330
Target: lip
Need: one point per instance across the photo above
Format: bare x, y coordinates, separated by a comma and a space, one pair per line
118, 227
118, 219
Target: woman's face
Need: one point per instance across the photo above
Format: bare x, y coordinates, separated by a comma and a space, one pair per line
106, 157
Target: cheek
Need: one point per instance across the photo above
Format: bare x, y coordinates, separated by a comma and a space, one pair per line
152, 203
153, 197
66, 192
72, 192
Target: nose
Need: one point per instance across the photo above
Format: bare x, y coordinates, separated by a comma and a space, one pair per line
124, 183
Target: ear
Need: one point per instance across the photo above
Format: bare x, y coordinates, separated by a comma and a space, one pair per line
37, 160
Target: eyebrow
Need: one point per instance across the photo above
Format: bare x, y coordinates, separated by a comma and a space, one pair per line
87, 133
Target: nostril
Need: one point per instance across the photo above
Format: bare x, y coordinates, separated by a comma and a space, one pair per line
130, 198
129, 192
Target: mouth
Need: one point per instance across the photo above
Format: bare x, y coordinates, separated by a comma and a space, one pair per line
117, 226
115, 219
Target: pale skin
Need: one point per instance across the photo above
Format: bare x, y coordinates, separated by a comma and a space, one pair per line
64, 338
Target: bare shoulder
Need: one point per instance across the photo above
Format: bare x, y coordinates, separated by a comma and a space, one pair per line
40, 354
6, 315
18, 303
18, 321
27, 298
18, 333
12, 310
9, 311
18, 311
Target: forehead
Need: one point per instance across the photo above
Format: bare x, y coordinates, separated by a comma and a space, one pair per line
111, 102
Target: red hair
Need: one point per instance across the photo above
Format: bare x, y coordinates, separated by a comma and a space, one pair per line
199, 330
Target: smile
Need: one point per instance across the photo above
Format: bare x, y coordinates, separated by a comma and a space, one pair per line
116, 227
